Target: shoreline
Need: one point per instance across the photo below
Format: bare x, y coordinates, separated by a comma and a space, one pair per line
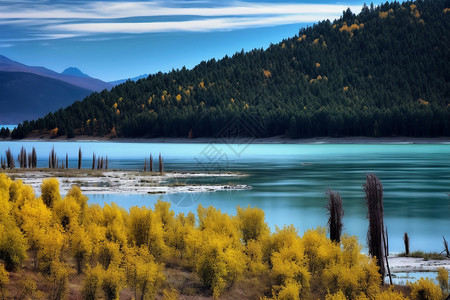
413, 264
120, 181
269, 140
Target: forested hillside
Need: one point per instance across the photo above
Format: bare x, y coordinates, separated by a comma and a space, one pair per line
383, 72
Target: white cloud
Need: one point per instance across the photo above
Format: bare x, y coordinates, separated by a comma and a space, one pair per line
82, 19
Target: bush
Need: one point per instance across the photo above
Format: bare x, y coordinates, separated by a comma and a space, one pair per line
425, 289
442, 278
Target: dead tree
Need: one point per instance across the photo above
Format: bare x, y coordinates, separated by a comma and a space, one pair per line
53, 161
101, 163
10, 159
375, 235
106, 163
446, 247
34, 158
93, 161
30, 160
386, 250
67, 161
336, 212
151, 163
79, 158
145, 165
161, 164
406, 241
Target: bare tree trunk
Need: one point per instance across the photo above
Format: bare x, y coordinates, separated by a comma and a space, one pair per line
79, 158
151, 163
336, 212
386, 249
93, 161
406, 241
374, 196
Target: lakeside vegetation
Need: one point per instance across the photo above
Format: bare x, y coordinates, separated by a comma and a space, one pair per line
53, 246
383, 72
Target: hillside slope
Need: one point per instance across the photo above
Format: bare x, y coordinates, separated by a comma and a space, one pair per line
384, 72
26, 95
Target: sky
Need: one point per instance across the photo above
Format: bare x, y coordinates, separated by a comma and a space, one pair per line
113, 40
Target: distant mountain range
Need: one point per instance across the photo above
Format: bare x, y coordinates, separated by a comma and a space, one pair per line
116, 82
30, 92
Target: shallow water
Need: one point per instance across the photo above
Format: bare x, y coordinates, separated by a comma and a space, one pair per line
290, 181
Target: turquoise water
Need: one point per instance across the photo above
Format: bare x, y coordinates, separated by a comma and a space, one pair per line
290, 181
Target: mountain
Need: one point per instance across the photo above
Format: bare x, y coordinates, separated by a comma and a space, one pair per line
383, 72
85, 82
74, 72
116, 82
29, 96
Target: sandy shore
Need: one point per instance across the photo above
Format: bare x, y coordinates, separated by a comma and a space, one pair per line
128, 182
270, 140
412, 264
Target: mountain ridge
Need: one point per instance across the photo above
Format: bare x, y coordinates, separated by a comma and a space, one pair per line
379, 73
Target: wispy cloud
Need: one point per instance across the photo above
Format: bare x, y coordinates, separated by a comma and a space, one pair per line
49, 20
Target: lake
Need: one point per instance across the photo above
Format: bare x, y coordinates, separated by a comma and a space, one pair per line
290, 181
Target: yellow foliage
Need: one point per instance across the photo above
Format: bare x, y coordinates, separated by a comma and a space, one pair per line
290, 291
423, 102
92, 283
51, 243
413, 6
117, 112
283, 46
202, 85
316, 41
50, 191
339, 295
66, 212
389, 294
345, 88
109, 254
114, 223
303, 37
383, 14
416, 14
267, 73
442, 278
251, 223
178, 97
4, 280
424, 288
115, 105
391, 11
113, 282
446, 10
81, 247
59, 278
317, 65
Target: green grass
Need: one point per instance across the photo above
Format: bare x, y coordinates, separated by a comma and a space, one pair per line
424, 255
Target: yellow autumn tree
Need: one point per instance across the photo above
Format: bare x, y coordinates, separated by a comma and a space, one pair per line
92, 283
50, 191
4, 280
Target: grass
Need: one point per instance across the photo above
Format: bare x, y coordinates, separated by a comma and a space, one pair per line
424, 255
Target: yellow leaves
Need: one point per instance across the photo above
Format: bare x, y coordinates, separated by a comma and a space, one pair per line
413, 7
442, 279
246, 106
283, 46
424, 288
92, 282
150, 100
446, 10
383, 14
317, 65
251, 224
115, 105
391, 11
4, 280
267, 73
423, 102
120, 99
352, 27
50, 191
187, 92
67, 212
345, 89
117, 112
303, 37
178, 97
202, 85
416, 14
54, 132
232, 100
316, 41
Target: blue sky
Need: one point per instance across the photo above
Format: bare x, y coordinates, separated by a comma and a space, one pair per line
119, 39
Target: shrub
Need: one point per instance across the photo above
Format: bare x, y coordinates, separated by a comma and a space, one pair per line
425, 289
